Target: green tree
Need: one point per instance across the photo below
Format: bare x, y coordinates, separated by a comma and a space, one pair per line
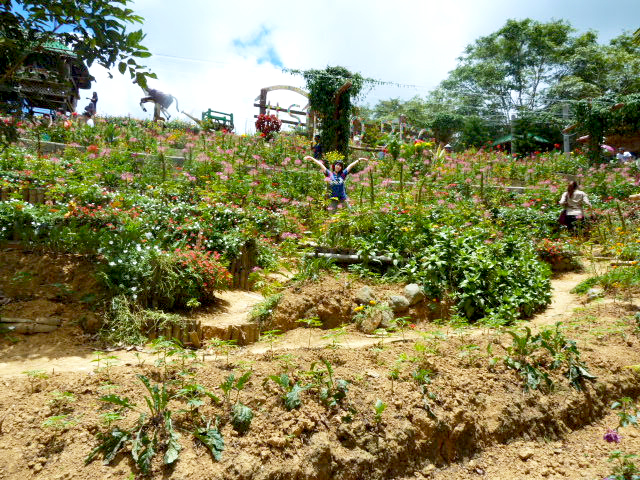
592, 70
445, 125
332, 92
509, 69
96, 31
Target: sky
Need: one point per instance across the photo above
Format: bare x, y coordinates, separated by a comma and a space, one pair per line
211, 54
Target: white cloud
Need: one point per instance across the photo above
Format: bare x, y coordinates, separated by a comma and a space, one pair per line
410, 42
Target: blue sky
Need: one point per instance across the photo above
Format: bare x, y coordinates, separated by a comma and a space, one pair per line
214, 54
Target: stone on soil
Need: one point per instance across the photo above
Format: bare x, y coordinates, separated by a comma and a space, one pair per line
398, 303
364, 296
413, 292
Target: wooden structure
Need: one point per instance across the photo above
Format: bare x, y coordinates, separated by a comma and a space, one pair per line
49, 79
265, 108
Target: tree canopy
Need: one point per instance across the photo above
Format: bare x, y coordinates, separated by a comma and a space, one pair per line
94, 30
526, 68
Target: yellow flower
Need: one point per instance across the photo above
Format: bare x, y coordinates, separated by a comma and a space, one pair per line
372, 302
358, 309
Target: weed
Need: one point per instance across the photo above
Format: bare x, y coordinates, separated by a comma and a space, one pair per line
263, 310
63, 291
36, 378
627, 412
310, 322
271, 337
153, 431
291, 390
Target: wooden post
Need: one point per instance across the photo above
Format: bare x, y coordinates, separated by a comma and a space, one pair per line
263, 101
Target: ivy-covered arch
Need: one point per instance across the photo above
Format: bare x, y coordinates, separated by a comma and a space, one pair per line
331, 95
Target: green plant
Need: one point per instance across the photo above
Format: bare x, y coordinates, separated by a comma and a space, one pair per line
469, 354
61, 401
423, 378
291, 390
107, 361
212, 439
153, 431
522, 348
59, 422
331, 391
310, 322
35, 377
241, 417
379, 407
394, 373
335, 334
221, 347
627, 412
165, 349
194, 395
231, 384
626, 469
270, 336
523, 357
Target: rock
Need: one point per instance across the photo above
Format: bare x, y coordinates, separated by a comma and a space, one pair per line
525, 454
594, 293
386, 318
370, 323
429, 469
277, 441
398, 303
413, 292
364, 296
91, 323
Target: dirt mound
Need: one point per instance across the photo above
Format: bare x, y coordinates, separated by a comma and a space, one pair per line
26, 274
332, 300
464, 409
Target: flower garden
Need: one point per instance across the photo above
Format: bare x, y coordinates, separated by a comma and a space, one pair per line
164, 213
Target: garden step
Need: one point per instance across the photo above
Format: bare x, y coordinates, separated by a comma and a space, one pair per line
231, 321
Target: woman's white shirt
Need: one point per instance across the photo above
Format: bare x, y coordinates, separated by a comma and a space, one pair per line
575, 203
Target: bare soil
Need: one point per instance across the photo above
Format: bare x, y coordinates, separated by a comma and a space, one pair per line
477, 421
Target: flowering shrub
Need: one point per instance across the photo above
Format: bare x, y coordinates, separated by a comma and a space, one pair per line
267, 125
176, 279
561, 255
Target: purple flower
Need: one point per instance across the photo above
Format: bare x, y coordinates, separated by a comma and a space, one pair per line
612, 436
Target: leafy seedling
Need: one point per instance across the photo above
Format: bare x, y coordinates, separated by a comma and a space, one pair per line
291, 390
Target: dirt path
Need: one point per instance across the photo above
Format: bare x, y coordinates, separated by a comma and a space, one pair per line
67, 351
59, 352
